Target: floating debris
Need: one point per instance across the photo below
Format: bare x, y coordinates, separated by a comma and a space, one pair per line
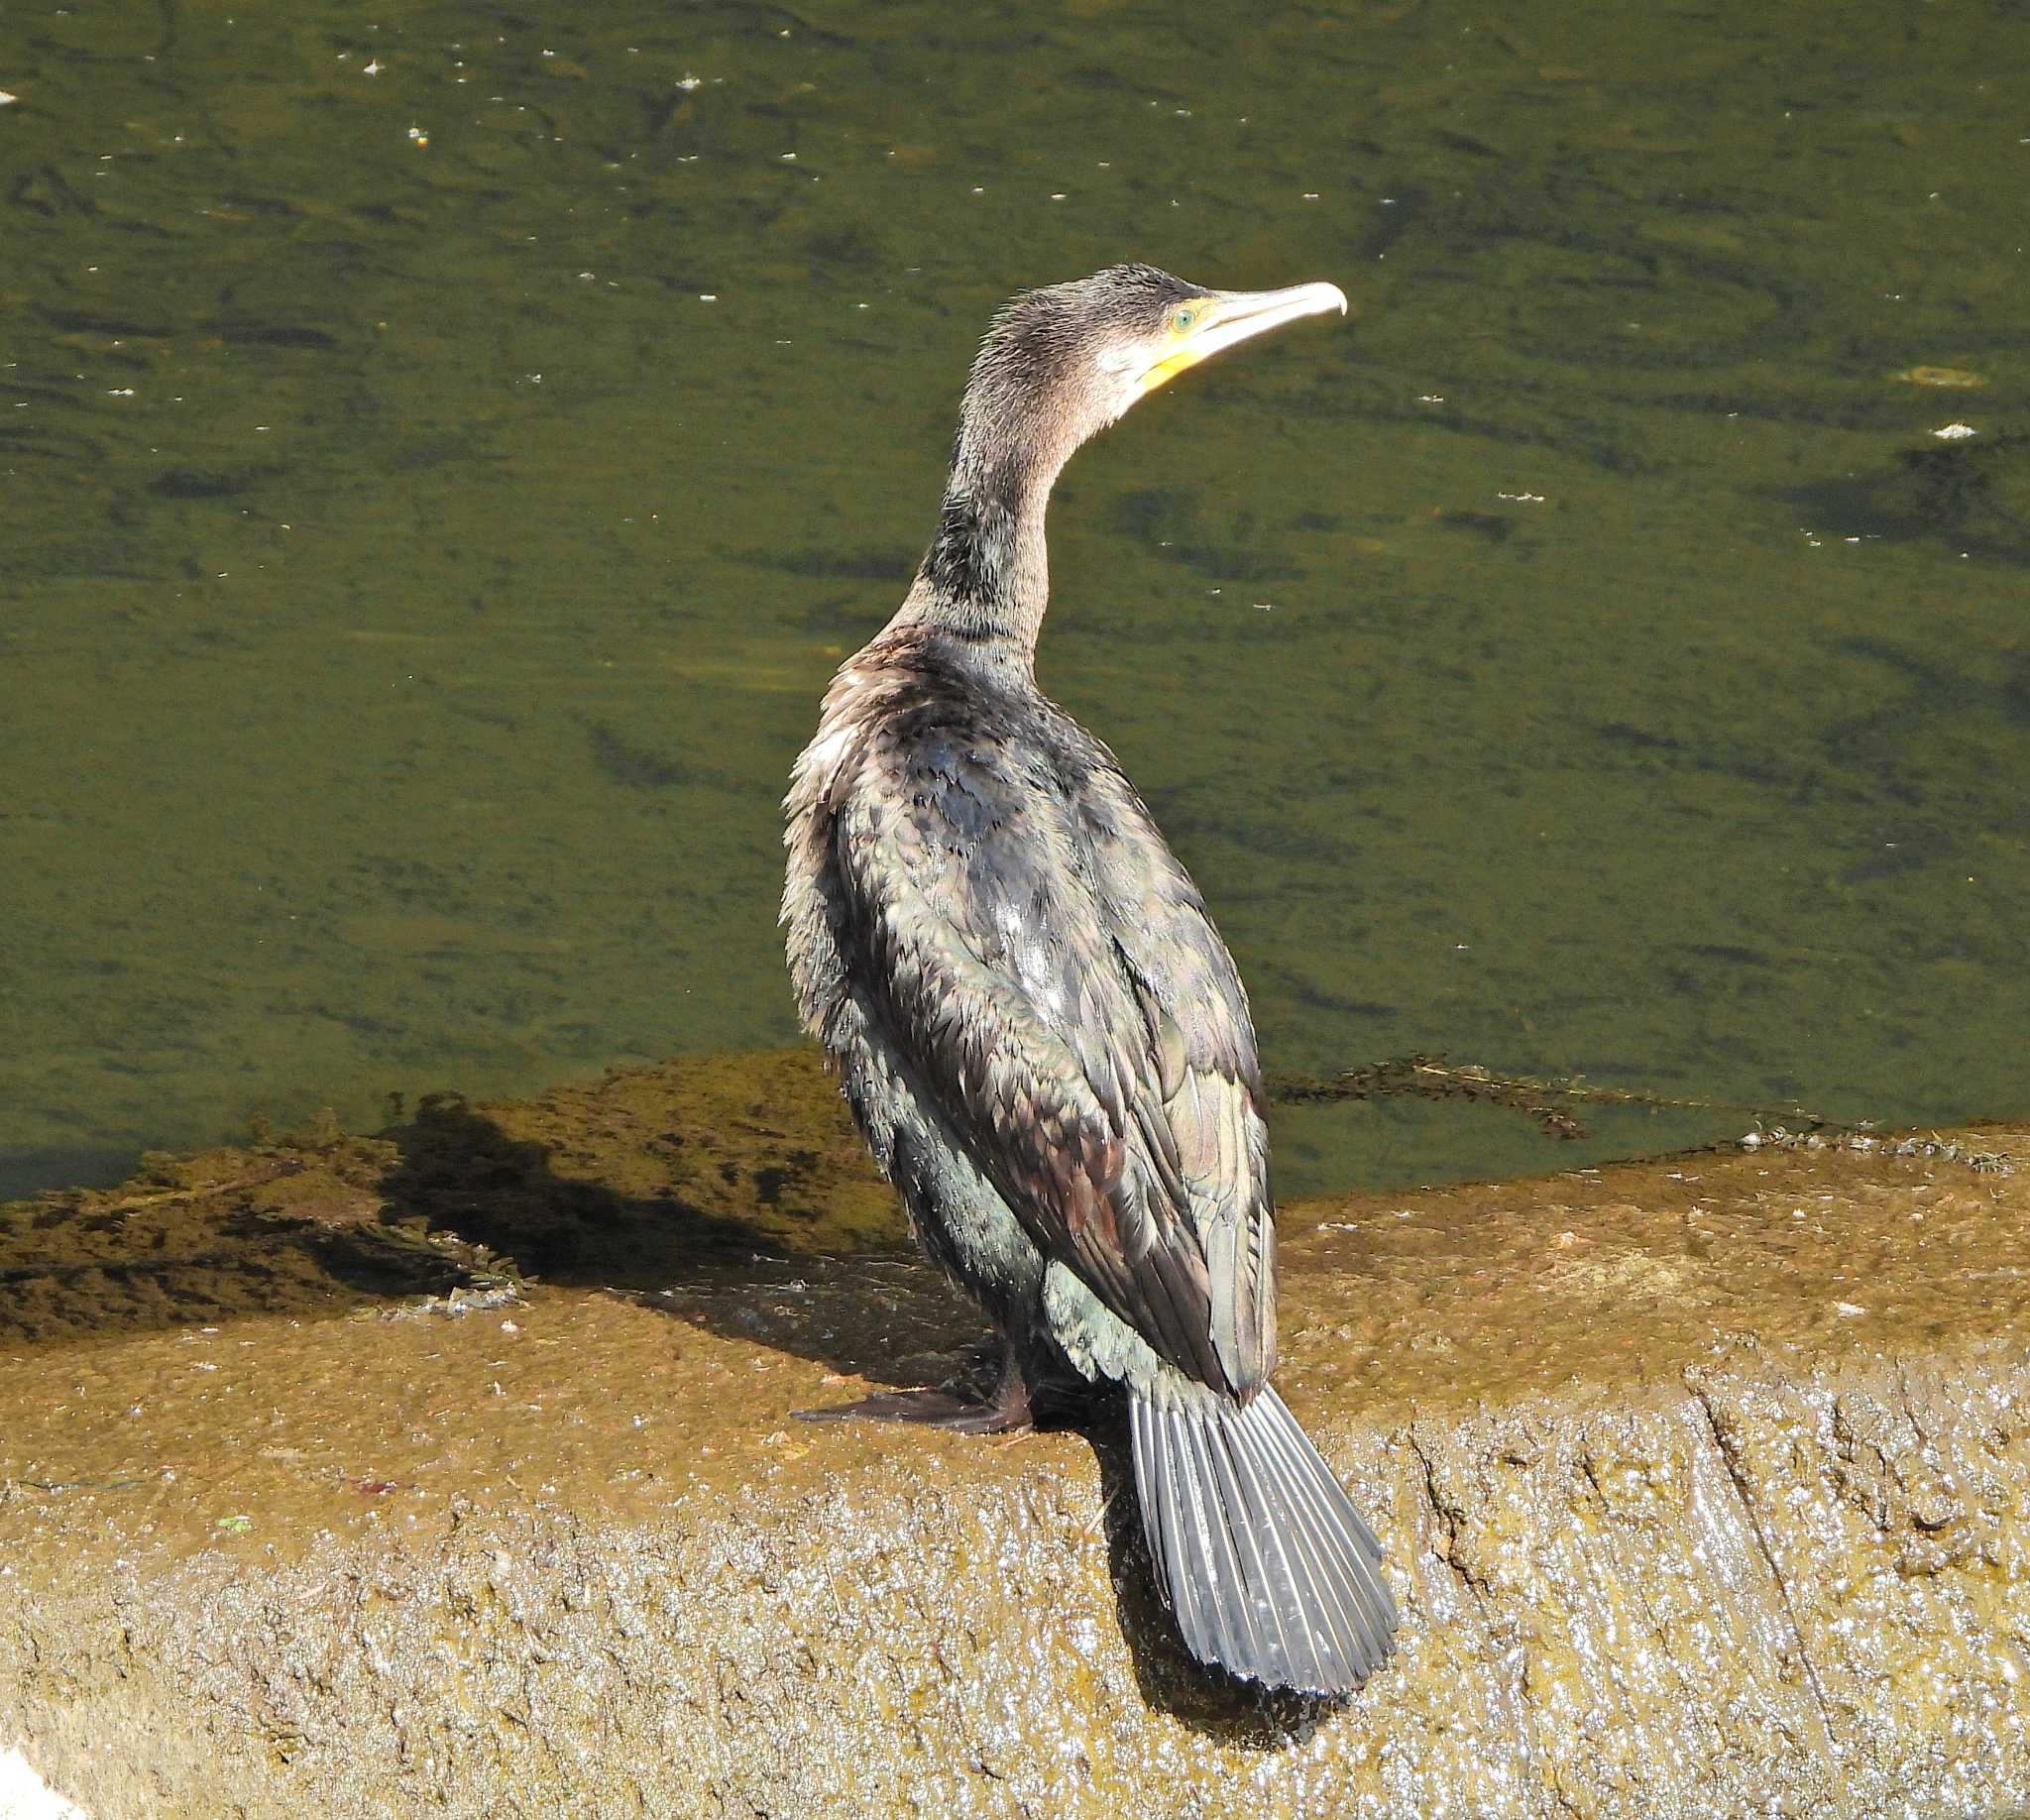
1866, 1143
1952, 378
455, 1302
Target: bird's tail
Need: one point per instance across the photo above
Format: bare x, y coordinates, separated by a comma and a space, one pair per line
1265, 1564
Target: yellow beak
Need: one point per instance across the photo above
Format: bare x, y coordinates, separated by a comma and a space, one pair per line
1223, 317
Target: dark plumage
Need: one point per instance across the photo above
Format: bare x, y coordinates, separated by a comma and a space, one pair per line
1040, 1032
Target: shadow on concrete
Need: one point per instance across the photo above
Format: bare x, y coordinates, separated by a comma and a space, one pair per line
738, 1203
460, 1173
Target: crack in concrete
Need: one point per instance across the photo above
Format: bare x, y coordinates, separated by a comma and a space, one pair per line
1450, 1521
1507, 1693
1738, 1478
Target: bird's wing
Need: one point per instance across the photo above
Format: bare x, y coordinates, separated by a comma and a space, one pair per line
1050, 973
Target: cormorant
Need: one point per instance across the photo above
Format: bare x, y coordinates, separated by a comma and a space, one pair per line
1041, 1035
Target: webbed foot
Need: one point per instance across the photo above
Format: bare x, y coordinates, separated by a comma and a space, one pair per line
958, 1407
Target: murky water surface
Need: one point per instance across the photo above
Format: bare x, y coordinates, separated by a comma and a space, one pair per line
443, 456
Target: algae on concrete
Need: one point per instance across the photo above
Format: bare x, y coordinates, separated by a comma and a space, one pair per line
1705, 1487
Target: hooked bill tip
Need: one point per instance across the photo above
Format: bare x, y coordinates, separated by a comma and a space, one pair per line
1277, 306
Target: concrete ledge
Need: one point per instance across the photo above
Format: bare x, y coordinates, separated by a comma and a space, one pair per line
1706, 1486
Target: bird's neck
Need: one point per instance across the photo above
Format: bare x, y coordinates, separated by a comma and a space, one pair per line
985, 579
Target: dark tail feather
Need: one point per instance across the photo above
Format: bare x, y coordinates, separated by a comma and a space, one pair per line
1268, 1568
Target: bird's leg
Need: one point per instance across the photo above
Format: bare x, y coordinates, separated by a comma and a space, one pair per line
957, 1405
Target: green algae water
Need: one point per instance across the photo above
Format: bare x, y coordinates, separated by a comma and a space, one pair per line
442, 459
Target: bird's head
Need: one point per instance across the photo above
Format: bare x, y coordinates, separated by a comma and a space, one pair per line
1063, 362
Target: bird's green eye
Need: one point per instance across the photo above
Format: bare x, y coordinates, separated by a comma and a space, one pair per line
1183, 319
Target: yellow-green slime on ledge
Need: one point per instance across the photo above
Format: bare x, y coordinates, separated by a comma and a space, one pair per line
1705, 1485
